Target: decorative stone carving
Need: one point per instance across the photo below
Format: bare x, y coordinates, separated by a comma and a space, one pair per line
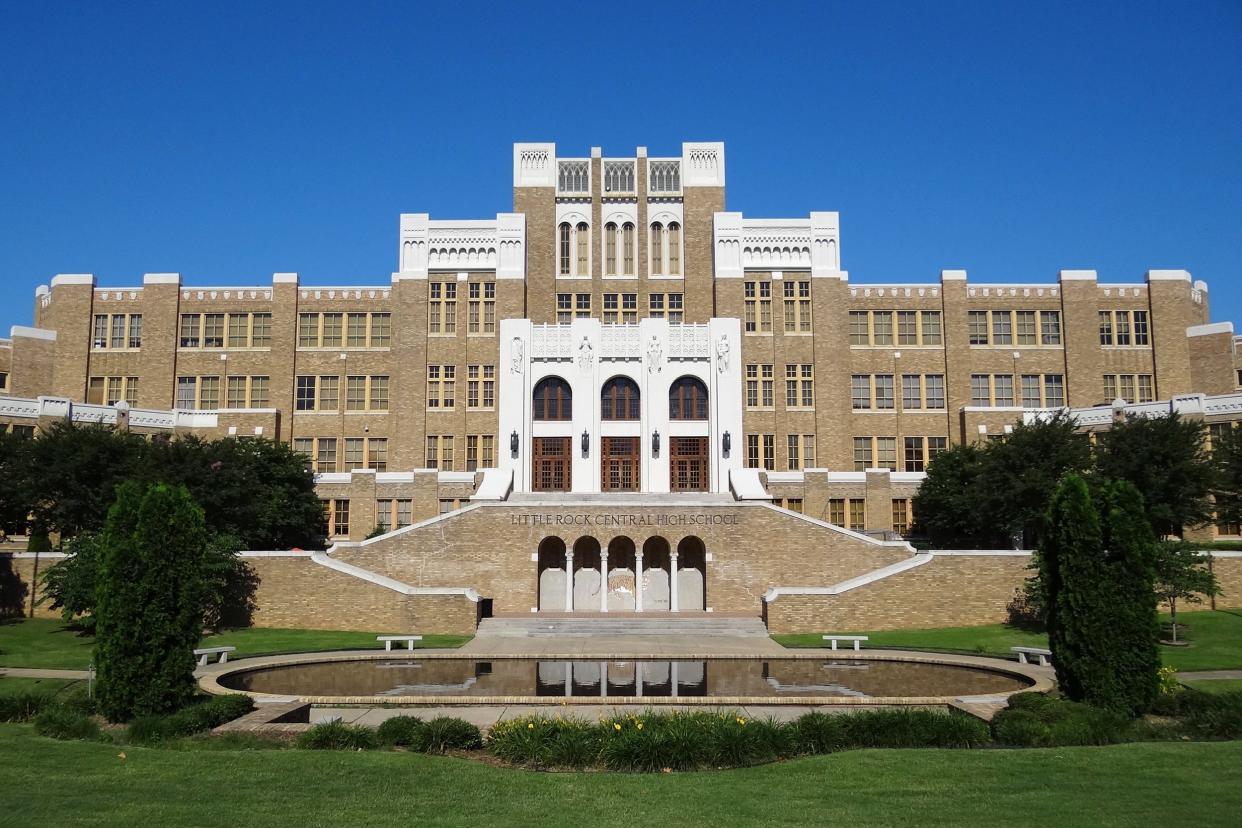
586, 355
722, 353
655, 356
517, 355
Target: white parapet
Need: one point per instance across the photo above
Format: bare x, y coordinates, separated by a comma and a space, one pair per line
427, 246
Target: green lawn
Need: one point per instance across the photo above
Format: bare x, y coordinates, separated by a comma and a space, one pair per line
19, 684
1215, 640
1216, 685
50, 644
62, 783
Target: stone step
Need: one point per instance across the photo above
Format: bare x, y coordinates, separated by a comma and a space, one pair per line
601, 624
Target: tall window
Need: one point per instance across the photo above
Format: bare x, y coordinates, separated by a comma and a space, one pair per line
619, 399
656, 241
442, 307
564, 248
553, 400
674, 249
758, 307
441, 387
797, 295
583, 245
687, 399
482, 308
610, 249
627, 253
800, 385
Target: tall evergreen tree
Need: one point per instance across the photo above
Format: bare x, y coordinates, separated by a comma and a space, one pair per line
1096, 565
149, 593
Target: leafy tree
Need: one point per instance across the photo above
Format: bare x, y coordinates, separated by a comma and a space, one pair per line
946, 505
1227, 459
1166, 459
1019, 474
70, 584
1183, 573
1096, 568
73, 472
149, 601
14, 457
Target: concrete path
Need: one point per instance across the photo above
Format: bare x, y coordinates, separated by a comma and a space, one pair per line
30, 672
1204, 675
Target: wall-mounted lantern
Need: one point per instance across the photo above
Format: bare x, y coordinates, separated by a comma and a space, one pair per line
513, 444
655, 444
586, 443
726, 443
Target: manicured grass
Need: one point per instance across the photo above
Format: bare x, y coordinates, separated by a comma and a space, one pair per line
51, 644
20, 684
1216, 685
57, 783
1215, 640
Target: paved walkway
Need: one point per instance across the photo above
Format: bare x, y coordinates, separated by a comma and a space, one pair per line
1204, 675
30, 672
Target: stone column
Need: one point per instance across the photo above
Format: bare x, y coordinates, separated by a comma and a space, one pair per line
569, 678
603, 678
603, 579
638, 580
569, 579
672, 582
672, 677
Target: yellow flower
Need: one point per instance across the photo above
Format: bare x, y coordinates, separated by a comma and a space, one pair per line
617, 726
530, 725
741, 721
640, 725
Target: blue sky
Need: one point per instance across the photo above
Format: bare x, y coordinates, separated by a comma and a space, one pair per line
227, 141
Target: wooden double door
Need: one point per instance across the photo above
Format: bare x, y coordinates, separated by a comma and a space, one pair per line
620, 464
689, 469
550, 464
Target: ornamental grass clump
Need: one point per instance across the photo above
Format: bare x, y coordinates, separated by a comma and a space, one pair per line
829, 732
447, 733
336, 735
63, 723
187, 721
1212, 715
24, 706
402, 731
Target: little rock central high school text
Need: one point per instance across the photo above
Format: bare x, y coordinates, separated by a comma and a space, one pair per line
618, 348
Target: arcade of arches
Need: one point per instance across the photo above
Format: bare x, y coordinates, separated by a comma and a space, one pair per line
622, 575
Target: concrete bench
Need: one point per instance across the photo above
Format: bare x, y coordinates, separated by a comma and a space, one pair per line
408, 639
1044, 656
205, 654
857, 639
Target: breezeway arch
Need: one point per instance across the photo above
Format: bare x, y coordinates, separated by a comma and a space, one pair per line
621, 574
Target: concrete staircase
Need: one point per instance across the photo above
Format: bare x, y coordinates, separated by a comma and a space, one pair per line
662, 624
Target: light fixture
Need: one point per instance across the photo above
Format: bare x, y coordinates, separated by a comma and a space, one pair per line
586, 443
726, 443
655, 444
513, 444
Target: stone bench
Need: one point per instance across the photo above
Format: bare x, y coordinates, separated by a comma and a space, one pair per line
205, 654
1044, 656
408, 639
857, 639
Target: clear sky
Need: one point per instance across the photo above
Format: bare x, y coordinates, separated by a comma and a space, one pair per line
226, 141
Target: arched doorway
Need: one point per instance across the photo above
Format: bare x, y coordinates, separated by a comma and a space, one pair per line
655, 575
587, 581
622, 584
551, 573
691, 574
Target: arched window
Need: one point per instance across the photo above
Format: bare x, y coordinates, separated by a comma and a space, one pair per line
687, 399
674, 249
610, 249
619, 399
584, 250
657, 251
553, 400
563, 258
627, 242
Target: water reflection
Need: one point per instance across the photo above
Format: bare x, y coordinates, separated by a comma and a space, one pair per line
634, 679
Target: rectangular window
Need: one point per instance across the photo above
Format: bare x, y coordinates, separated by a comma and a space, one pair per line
768, 394
1050, 327
353, 453
564, 308
260, 392
882, 327
860, 390
1031, 391
752, 385
758, 307
1146, 393
338, 516
797, 297
1121, 326
308, 330
100, 337
1002, 390
381, 330
189, 330
377, 453
836, 511
1002, 328
794, 455
135, 330
1025, 327
769, 451
442, 386
236, 393
213, 330
934, 387
304, 399
331, 337
1110, 388
907, 328
1054, 390
239, 330
799, 386
209, 393
472, 452
932, 334
114, 391
980, 391
901, 516
858, 514
1106, 328
860, 333
488, 453
117, 339
936, 446
330, 393
582, 307
884, 391
356, 330
862, 453
978, 327
611, 304
629, 308
442, 310
915, 458
1126, 385
911, 391
325, 455
1141, 333
752, 451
